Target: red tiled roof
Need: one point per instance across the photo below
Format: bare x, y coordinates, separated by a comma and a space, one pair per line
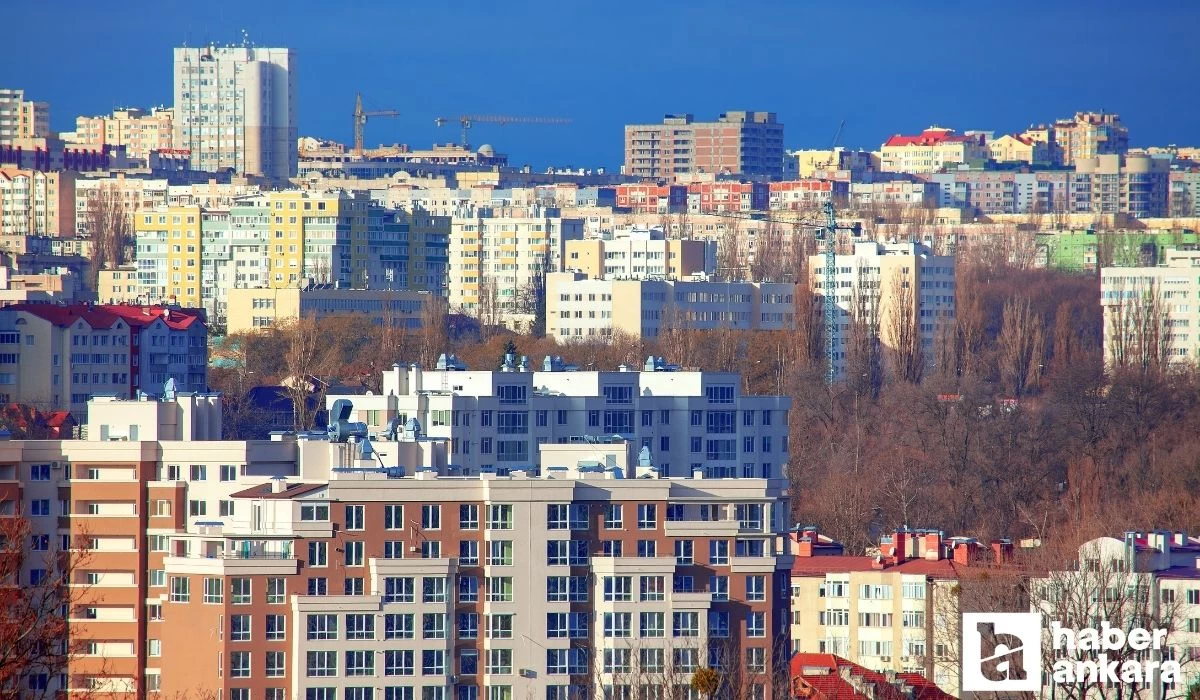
105, 315
819, 677
929, 137
267, 491
138, 316
56, 419
838, 563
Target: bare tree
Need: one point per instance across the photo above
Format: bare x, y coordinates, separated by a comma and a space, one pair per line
902, 334
108, 223
1022, 347
730, 262
487, 308
433, 337
308, 360
1136, 329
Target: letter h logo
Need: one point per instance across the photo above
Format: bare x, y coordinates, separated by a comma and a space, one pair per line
1002, 651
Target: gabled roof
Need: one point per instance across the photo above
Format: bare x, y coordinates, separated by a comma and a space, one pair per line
820, 677
267, 490
65, 316
140, 316
104, 316
930, 137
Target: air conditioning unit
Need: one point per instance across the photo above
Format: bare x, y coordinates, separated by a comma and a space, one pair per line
885, 658
56, 466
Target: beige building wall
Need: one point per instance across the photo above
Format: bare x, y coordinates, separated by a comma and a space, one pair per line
118, 285
21, 118
257, 309
37, 203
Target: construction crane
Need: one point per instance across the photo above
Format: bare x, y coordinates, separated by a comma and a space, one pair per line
826, 231
360, 121
468, 120
837, 137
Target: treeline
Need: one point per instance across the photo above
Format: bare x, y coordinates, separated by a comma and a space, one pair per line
1014, 429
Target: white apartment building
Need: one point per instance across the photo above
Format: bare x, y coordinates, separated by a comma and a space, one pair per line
497, 421
1150, 313
235, 107
499, 252
581, 308
1141, 579
21, 118
134, 194
882, 280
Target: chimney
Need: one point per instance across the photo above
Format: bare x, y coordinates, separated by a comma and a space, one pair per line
279, 485
933, 544
804, 545
1180, 539
961, 552
900, 545
1002, 551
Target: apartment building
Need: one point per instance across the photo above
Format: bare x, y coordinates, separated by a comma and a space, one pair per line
1135, 298
1088, 135
45, 288
1183, 198
235, 107
650, 198
139, 131
931, 150
1015, 148
1109, 582
810, 163
258, 309
895, 611
1136, 185
581, 308
57, 357
724, 196
886, 286
690, 421
303, 566
119, 285
21, 118
286, 240
132, 194
903, 192
33, 202
495, 253
807, 194
639, 254
737, 143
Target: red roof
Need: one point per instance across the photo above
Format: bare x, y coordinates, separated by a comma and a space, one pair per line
56, 419
105, 315
828, 677
839, 563
267, 490
930, 137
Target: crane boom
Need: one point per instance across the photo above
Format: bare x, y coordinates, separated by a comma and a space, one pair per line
360, 121
467, 120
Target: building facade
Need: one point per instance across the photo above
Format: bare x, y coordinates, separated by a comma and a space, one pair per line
737, 143
258, 309
235, 108
34, 202
139, 131
886, 289
641, 254
579, 308
1148, 315
21, 118
932, 150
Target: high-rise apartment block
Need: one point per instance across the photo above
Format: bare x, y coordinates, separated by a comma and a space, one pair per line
1090, 134
737, 143
57, 357
365, 563
639, 254
886, 290
34, 202
138, 131
1149, 314
21, 118
287, 239
235, 107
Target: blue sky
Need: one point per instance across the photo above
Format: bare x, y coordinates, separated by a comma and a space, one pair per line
885, 67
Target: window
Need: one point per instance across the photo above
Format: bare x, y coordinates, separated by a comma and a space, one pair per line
180, 589
431, 549
276, 664
354, 517
647, 548
213, 591
720, 393
276, 590
318, 553
393, 516
756, 624
719, 586
239, 628
360, 663
683, 552
610, 548
431, 517
276, 628
913, 618
756, 588
618, 588
468, 553
721, 422
916, 591
468, 589
314, 512
239, 591
500, 626
468, 625
468, 516
318, 585
685, 624
612, 517
398, 589
652, 624
572, 589
652, 588
499, 589
756, 660
360, 626
239, 664
618, 394
500, 516
500, 553
652, 660
618, 624
397, 662
875, 592
433, 626
39, 472
398, 626
433, 589
511, 394
321, 664
353, 552
617, 660
228, 472
718, 552
322, 627
433, 662
718, 623
647, 516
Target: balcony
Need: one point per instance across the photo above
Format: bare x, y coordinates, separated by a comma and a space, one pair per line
701, 528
